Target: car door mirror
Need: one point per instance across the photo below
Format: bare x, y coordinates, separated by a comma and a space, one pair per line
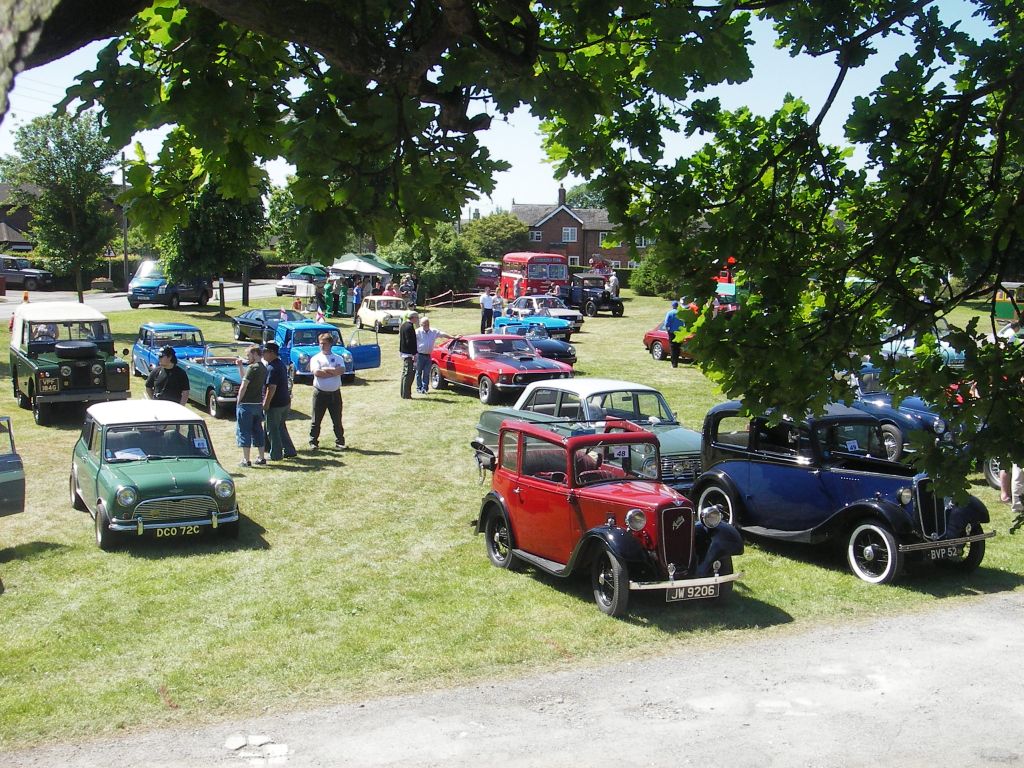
485, 457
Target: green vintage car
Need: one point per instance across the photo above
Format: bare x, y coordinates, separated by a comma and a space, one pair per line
62, 352
147, 468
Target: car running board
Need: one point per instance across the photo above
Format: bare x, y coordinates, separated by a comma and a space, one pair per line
551, 566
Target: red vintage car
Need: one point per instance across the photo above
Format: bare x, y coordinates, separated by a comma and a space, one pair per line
492, 364
567, 499
656, 342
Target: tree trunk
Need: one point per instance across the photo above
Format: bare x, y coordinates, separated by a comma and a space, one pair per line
78, 285
245, 284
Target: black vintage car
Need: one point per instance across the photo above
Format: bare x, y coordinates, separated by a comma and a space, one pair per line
261, 324
588, 292
827, 479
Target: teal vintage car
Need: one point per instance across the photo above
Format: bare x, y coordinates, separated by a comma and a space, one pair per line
214, 378
147, 468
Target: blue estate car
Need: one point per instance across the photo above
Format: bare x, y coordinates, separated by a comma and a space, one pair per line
151, 286
187, 340
827, 478
298, 343
214, 378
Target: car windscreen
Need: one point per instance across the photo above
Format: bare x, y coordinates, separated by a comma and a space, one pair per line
179, 339
509, 346
391, 304
149, 269
631, 405
858, 438
70, 330
611, 462
312, 338
143, 442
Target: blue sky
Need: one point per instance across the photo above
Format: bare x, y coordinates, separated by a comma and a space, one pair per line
517, 140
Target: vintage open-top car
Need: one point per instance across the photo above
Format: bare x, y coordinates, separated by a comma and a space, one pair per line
214, 378
187, 340
547, 305
147, 467
299, 341
827, 478
555, 327
63, 352
566, 500
492, 365
590, 400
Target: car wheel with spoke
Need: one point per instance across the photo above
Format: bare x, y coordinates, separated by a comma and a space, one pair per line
212, 406
437, 381
487, 391
970, 555
76, 498
41, 412
892, 439
990, 468
590, 309
873, 554
610, 583
498, 541
658, 350
717, 495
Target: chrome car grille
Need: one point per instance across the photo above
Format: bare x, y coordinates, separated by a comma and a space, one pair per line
170, 508
930, 509
676, 538
680, 467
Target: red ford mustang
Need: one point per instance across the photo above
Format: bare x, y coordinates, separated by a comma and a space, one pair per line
492, 364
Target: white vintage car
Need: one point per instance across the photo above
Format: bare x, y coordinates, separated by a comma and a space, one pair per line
382, 312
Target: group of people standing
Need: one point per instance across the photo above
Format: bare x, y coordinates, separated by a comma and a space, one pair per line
416, 340
264, 398
332, 297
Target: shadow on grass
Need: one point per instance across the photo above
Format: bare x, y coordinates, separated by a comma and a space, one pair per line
649, 608
30, 550
209, 542
919, 576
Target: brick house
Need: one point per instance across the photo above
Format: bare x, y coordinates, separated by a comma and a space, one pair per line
576, 232
13, 224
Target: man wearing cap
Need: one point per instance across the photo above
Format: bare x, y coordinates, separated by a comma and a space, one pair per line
277, 401
167, 381
673, 324
407, 349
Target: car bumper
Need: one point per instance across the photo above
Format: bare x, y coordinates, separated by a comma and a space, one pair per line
82, 396
721, 579
284, 290
942, 543
140, 527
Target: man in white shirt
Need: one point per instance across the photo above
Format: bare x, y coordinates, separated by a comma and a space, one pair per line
327, 369
486, 310
425, 340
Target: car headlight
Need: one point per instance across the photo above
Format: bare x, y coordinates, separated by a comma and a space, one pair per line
571, 350
939, 426
387, 318
905, 495
162, 289
227, 386
224, 489
126, 497
347, 357
97, 369
65, 370
711, 516
303, 358
636, 519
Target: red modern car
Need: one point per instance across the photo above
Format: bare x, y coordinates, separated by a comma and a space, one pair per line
492, 364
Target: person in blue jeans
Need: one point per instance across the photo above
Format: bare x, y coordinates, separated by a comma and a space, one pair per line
277, 402
425, 340
249, 408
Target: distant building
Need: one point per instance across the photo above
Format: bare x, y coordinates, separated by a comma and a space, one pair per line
576, 232
13, 225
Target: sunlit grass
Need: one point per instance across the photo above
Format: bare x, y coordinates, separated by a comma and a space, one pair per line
358, 573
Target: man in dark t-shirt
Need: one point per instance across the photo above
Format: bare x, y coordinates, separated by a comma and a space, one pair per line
167, 381
276, 404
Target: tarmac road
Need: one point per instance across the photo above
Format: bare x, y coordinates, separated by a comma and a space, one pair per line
941, 687
117, 302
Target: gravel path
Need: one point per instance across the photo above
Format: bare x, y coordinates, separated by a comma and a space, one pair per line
939, 688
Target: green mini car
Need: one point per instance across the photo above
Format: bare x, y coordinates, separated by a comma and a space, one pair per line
147, 468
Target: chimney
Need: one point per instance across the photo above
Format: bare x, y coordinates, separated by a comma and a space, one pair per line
561, 195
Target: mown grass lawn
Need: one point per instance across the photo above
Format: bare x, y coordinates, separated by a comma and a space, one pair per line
357, 573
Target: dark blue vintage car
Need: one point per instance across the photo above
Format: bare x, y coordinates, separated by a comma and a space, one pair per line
187, 340
827, 478
298, 343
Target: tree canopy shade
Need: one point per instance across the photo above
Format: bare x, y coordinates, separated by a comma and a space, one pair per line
378, 106
58, 174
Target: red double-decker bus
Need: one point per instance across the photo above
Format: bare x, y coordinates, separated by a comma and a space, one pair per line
527, 273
